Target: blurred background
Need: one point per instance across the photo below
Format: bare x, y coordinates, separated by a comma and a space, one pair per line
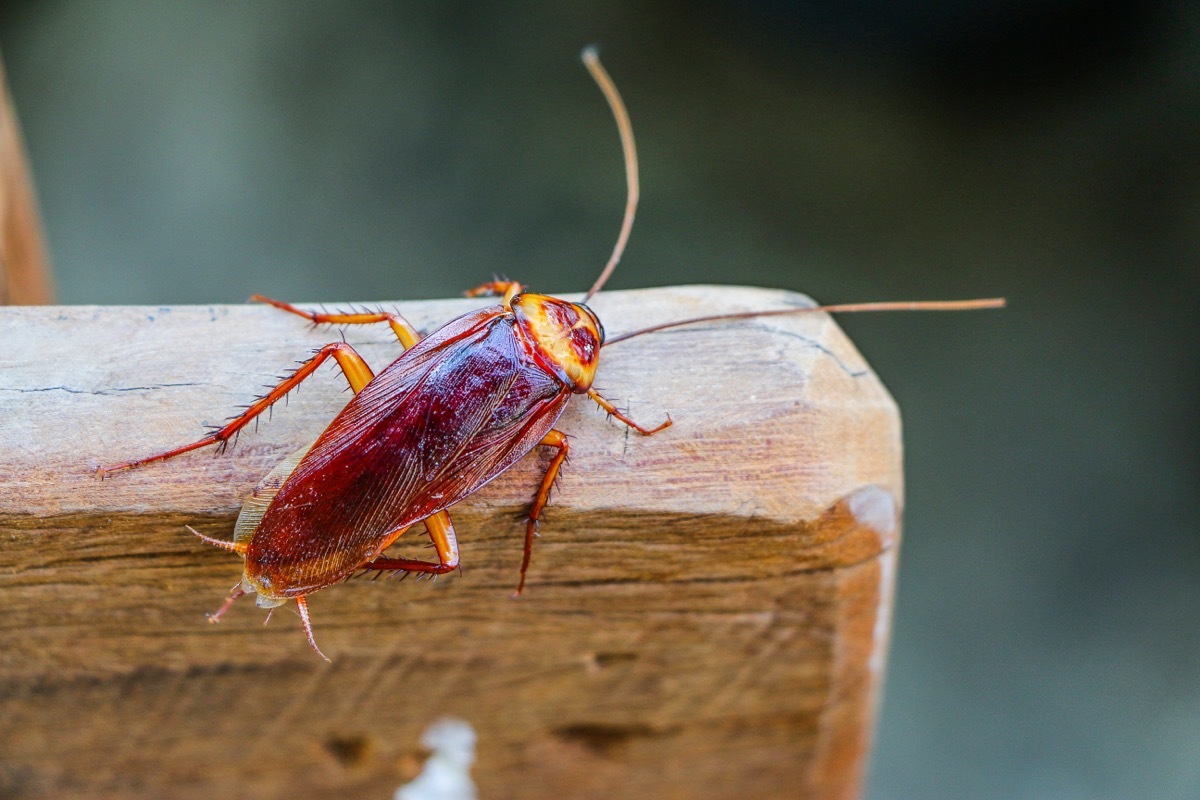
1047, 632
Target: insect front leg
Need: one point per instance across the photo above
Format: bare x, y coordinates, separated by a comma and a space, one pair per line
445, 542
506, 289
552, 439
356, 370
613, 411
403, 329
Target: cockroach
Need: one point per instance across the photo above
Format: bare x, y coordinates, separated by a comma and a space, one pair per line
456, 409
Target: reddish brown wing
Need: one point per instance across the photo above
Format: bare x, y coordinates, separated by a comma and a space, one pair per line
449, 415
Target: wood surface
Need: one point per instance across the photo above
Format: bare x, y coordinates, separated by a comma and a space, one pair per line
706, 616
24, 269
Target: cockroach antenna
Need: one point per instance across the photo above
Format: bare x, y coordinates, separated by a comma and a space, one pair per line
591, 60
841, 308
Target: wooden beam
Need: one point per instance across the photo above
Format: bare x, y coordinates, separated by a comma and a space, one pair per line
707, 609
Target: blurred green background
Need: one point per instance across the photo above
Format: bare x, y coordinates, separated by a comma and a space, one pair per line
1047, 635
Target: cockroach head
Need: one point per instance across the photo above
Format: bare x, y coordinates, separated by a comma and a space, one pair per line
565, 338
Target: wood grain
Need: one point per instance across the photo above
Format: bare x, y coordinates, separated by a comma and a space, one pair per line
707, 609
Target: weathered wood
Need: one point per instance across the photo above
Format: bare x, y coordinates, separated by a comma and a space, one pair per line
24, 269
707, 609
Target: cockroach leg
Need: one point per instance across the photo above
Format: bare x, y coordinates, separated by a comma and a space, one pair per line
445, 542
237, 592
302, 605
403, 329
506, 289
353, 366
552, 439
615, 412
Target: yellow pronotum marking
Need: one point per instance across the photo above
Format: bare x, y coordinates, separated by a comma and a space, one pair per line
554, 341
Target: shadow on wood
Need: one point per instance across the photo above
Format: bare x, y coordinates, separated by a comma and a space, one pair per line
707, 609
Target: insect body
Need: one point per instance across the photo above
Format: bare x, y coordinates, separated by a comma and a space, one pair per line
455, 410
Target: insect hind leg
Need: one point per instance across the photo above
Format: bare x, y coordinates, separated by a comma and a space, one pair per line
445, 542
302, 607
237, 592
356, 370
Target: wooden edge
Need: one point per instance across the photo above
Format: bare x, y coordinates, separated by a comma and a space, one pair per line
706, 615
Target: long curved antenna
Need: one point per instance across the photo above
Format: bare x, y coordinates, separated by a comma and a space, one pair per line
592, 61
899, 305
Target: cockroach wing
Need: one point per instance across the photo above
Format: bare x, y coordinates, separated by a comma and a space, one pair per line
445, 418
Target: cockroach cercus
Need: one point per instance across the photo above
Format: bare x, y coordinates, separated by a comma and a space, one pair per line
456, 409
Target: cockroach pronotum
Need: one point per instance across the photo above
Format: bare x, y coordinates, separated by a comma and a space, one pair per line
457, 408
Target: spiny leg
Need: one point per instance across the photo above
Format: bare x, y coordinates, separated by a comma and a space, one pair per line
403, 329
237, 592
445, 542
551, 439
358, 374
506, 289
613, 411
265, 492
355, 369
302, 605
359, 379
